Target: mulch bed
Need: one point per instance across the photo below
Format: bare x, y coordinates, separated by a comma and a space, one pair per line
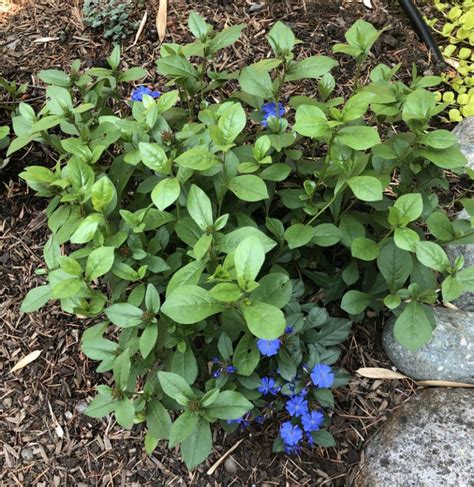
46, 441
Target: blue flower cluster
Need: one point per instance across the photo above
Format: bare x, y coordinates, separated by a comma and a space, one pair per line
223, 368
272, 109
137, 93
271, 347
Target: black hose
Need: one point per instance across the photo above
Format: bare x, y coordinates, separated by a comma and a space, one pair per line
421, 28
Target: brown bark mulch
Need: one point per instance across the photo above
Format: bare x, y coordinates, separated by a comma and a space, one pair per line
45, 439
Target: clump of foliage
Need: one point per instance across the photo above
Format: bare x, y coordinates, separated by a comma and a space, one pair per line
111, 16
200, 229
457, 26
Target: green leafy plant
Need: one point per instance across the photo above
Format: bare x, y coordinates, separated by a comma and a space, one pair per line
456, 25
111, 16
200, 230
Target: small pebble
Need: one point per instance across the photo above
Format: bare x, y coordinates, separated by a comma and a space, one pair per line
81, 406
27, 454
68, 415
230, 465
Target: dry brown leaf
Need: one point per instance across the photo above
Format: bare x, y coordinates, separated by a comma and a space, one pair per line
379, 373
31, 357
161, 19
140, 28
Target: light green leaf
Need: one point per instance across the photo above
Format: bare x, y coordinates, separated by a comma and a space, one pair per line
248, 258
183, 427
176, 387
249, 188
36, 298
124, 315
246, 355
355, 302
154, 157
165, 193
189, 304
298, 235
264, 320
358, 137
395, 266
310, 67
231, 122
410, 207
99, 262
406, 239
256, 83
366, 188
311, 122
198, 159
326, 235
229, 405
365, 249
432, 255
199, 207
413, 328
125, 412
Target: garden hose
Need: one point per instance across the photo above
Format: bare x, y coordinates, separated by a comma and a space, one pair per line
421, 28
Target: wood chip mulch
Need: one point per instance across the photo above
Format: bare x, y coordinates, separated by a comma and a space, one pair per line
45, 440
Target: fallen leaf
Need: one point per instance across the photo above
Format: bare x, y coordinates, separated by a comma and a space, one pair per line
141, 27
161, 18
379, 373
31, 357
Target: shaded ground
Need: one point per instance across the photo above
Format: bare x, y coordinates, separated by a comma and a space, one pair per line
45, 439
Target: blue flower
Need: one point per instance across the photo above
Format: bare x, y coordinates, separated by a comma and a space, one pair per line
312, 421
292, 450
268, 347
137, 93
268, 386
290, 434
259, 419
270, 110
288, 330
216, 373
230, 369
297, 406
215, 360
243, 422
322, 376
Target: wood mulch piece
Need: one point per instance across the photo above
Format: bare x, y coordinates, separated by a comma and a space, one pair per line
45, 439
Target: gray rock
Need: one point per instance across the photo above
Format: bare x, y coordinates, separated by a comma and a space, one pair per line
466, 300
427, 442
449, 355
465, 133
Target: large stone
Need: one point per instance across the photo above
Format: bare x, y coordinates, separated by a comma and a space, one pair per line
466, 300
427, 442
449, 355
465, 133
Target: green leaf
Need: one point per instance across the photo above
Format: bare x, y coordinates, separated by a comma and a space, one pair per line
226, 292
198, 26
310, 67
165, 193
274, 289
133, 74
231, 122
366, 188
432, 255
406, 239
466, 278
246, 355
124, 315
176, 67
357, 105
121, 368
450, 158
189, 304
185, 365
225, 38
67, 288
54, 77
249, 188
152, 299
158, 420
440, 226
311, 122
183, 427
199, 207
104, 195
256, 83
298, 235
281, 39
451, 288
326, 235
148, 339
99, 262
225, 347
438, 139
229, 242
36, 298
248, 259
189, 274
198, 159
125, 412
86, 230
264, 320
197, 447
154, 157
410, 207
365, 249
176, 387
359, 137
229, 405
392, 301
355, 302
323, 438
413, 328
395, 266
102, 405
